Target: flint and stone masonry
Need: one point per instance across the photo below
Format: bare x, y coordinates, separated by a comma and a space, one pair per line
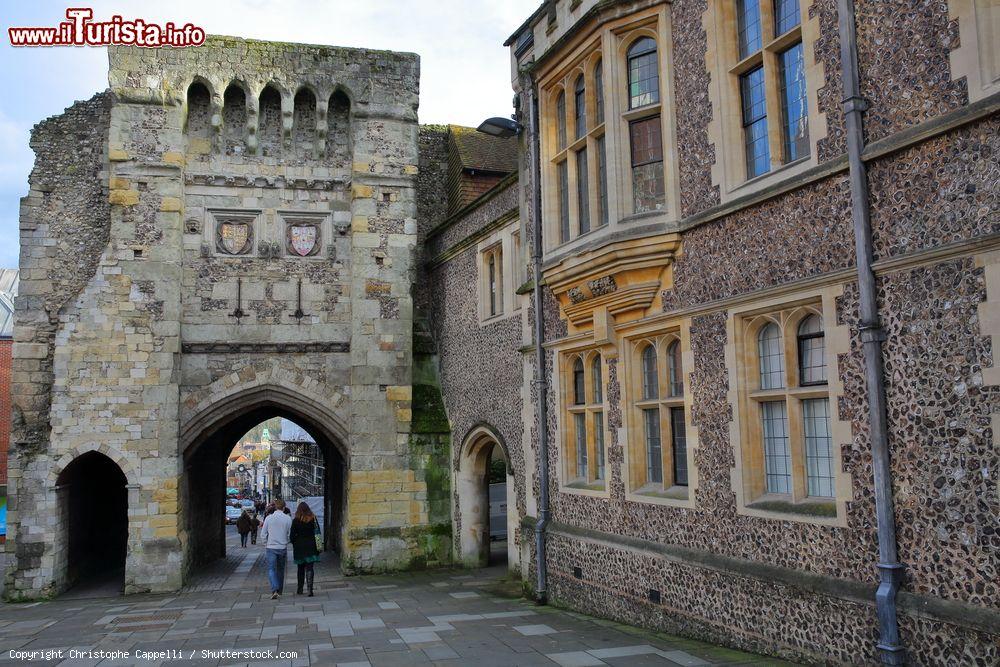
227, 233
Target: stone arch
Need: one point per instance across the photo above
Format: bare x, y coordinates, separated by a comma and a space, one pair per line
92, 527
217, 419
270, 103
471, 514
304, 121
59, 465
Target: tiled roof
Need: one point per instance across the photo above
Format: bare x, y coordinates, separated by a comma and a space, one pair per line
475, 150
8, 290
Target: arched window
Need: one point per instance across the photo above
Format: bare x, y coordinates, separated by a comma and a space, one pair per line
771, 357
643, 73
234, 119
595, 372
199, 111
304, 123
812, 351
650, 383
579, 383
269, 125
561, 119
580, 106
493, 285
676, 373
599, 92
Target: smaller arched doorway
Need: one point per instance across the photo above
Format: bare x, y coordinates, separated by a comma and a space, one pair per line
477, 526
93, 512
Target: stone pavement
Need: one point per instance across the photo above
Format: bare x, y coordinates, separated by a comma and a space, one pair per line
450, 617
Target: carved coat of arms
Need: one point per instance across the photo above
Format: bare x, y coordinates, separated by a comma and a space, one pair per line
235, 238
303, 239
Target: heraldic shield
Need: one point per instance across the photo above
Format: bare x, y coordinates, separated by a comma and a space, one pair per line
303, 239
235, 238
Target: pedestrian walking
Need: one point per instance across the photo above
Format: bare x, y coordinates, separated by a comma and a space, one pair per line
254, 527
274, 532
243, 528
304, 536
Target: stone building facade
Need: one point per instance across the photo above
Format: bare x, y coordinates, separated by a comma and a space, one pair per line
229, 237
247, 230
709, 454
8, 290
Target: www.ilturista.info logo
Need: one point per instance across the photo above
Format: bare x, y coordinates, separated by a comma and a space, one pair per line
81, 30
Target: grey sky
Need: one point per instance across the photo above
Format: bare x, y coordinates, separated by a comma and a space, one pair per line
465, 71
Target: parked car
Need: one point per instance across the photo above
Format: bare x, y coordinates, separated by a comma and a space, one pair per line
232, 514
247, 504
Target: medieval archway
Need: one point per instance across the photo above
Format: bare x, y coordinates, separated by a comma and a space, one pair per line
476, 526
92, 522
207, 441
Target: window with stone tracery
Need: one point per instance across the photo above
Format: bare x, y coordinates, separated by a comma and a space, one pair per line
584, 451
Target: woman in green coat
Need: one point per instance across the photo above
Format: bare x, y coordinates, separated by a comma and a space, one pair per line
303, 536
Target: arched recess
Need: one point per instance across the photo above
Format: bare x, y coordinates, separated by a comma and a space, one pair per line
471, 521
338, 135
198, 122
234, 119
304, 123
91, 533
209, 436
269, 123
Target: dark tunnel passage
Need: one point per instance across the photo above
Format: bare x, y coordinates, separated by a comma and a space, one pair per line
93, 504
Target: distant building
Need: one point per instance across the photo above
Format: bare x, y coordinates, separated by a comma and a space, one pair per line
8, 290
301, 462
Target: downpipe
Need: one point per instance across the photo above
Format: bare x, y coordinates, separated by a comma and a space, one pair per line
541, 383
890, 648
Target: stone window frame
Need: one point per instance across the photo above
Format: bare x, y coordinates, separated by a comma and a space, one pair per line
569, 480
216, 216
977, 59
660, 336
725, 67
748, 474
607, 43
321, 219
502, 245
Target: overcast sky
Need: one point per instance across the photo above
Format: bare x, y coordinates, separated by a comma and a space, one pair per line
465, 70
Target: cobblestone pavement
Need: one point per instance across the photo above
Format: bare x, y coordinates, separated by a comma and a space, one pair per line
453, 617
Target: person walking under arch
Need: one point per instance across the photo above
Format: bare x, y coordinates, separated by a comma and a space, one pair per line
274, 532
243, 526
304, 536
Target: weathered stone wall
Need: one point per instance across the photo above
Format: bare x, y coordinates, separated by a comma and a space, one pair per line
160, 331
65, 227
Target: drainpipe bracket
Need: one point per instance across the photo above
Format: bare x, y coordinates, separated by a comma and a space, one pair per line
855, 104
873, 334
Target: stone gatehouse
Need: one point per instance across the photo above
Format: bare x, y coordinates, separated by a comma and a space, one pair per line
225, 236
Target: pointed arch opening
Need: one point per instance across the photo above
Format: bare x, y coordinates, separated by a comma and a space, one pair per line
208, 443
485, 521
234, 119
338, 137
92, 522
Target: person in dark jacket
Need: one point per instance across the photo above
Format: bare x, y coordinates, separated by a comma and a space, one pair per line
243, 527
305, 528
254, 527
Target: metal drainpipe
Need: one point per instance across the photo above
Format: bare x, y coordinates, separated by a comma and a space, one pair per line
872, 337
541, 383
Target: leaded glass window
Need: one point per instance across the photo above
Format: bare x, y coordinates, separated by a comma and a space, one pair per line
579, 383
777, 455
599, 92
563, 172
748, 26
674, 371
582, 190
595, 373
795, 128
650, 382
599, 443
752, 92
580, 426
561, 119
819, 447
580, 107
678, 443
654, 453
771, 357
786, 16
643, 74
812, 351
602, 182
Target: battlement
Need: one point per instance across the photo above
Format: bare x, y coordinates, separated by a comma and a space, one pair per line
377, 83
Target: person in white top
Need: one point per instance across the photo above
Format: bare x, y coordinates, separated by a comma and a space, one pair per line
274, 532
